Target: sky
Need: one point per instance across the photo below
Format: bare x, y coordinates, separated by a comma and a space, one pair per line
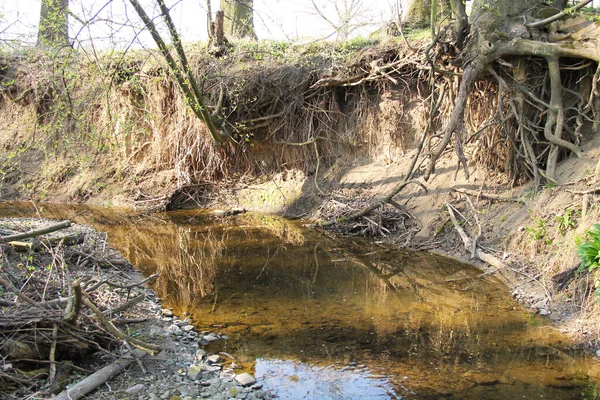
116, 24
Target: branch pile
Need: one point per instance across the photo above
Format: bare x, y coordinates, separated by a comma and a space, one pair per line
58, 304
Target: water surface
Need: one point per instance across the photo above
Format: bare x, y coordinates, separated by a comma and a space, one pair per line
314, 316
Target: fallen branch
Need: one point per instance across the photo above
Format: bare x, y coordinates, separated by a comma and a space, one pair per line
40, 245
468, 243
89, 384
149, 347
125, 305
589, 191
488, 196
74, 304
37, 232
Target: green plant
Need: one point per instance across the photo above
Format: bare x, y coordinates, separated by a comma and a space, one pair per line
589, 252
566, 221
538, 231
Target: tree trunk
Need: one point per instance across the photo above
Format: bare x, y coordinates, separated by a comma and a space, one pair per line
560, 4
54, 25
239, 18
417, 14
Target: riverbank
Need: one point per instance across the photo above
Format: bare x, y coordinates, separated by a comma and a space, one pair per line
173, 365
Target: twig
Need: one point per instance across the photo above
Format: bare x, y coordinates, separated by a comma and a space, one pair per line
137, 359
489, 196
52, 369
556, 17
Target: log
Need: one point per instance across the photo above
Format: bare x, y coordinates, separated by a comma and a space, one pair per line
89, 384
37, 232
43, 244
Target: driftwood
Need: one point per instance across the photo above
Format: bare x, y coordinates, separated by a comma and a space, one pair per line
468, 243
43, 244
89, 384
36, 232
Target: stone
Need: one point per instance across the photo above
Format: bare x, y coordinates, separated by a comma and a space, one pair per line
214, 358
155, 331
257, 386
211, 337
200, 354
186, 390
194, 371
245, 379
183, 323
175, 330
187, 328
135, 388
544, 312
167, 313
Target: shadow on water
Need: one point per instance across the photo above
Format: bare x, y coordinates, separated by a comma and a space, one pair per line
320, 317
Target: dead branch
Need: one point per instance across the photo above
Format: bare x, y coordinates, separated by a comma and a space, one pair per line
37, 232
152, 348
370, 208
119, 286
556, 17
124, 306
74, 304
489, 196
89, 384
468, 243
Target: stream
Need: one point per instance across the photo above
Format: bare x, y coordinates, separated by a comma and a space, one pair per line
314, 316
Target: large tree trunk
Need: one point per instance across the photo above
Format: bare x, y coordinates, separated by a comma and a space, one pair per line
239, 18
54, 28
417, 13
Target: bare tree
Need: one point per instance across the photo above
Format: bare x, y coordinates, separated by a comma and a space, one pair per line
348, 16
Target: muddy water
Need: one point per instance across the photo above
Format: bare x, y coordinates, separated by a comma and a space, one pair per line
318, 317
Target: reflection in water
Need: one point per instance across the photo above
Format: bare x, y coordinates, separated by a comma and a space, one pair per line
296, 380
428, 324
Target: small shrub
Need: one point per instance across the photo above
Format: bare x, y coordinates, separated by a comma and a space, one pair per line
589, 251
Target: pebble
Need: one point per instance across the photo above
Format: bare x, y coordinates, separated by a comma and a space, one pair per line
135, 388
245, 379
175, 330
166, 312
200, 354
214, 358
211, 337
187, 328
